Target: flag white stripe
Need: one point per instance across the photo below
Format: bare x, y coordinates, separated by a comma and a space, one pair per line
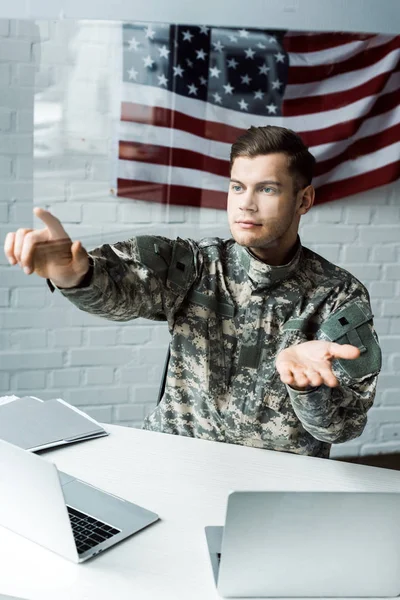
129, 169
336, 53
369, 127
344, 81
161, 136
151, 96
364, 164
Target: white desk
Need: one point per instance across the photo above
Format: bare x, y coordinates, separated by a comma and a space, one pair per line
184, 480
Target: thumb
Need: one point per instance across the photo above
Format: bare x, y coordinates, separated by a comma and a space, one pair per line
343, 351
79, 254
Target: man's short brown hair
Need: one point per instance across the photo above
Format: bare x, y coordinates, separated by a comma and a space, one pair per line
272, 139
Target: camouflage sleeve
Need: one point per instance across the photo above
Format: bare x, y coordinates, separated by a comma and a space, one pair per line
138, 278
336, 415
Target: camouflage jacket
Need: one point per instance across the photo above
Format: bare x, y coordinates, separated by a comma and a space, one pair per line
229, 315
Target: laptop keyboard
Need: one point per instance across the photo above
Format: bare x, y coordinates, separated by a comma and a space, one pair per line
88, 532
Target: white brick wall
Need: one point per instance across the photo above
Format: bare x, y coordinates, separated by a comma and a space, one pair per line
112, 370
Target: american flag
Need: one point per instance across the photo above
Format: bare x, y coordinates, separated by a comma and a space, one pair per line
189, 91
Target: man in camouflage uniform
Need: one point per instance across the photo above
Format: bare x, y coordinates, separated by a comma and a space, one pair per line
271, 346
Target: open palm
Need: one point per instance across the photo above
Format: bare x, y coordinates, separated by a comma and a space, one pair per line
310, 363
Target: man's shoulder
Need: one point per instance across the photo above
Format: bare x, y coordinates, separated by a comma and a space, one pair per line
322, 271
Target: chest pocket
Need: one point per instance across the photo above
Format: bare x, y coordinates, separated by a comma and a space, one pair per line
268, 390
353, 325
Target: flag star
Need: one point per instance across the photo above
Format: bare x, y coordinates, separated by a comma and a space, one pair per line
187, 36
133, 44
148, 61
163, 51
132, 73
280, 57
249, 53
192, 89
272, 108
233, 38
203, 81
204, 29
243, 33
218, 47
228, 88
201, 54
232, 63
262, 46
162, 80
263, 69
178, 71
245, 79
276, 84
149, 32
272, 39
217, 98
189, 62
258, 95
214, 72
243, 105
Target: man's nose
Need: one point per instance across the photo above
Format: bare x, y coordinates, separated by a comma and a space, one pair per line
247, 201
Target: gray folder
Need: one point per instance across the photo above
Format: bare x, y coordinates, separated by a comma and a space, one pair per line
34, 425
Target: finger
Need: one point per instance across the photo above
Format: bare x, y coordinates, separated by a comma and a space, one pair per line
18, 242
328, 377
300, 378
30, 242
343, 351
286, 375
54, 226
314, 377
9, 247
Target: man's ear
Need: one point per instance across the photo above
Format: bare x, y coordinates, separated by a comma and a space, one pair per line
305, 199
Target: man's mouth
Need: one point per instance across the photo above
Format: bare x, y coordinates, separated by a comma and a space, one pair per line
248, 224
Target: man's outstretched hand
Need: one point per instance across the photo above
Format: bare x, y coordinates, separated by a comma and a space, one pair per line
310, 363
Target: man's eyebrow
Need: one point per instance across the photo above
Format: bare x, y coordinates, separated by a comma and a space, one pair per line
269, 181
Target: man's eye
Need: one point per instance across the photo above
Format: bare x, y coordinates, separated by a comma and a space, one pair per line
236, 188
268, 190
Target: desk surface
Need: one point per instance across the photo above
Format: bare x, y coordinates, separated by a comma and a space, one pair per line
186, 481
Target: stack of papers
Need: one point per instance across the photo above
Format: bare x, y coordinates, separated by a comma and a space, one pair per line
35, 425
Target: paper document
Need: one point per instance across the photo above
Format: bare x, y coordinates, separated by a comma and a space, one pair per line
34, 425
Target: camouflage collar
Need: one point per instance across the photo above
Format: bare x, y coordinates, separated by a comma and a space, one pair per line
261, 273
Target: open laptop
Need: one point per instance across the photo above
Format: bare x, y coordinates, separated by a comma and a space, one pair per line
60, 512
308, 544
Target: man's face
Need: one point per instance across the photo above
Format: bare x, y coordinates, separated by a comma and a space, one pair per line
262, 211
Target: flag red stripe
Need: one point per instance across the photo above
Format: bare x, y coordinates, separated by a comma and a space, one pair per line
307, 105
346, 129
226, 133
360, 147
358, 183
362, 60
165, 117
175, 157
171, 194
178, 157
315, 42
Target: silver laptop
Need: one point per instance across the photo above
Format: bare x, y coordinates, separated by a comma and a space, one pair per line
60, 512
307, 544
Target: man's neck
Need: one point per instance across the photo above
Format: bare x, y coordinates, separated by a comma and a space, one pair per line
277, 255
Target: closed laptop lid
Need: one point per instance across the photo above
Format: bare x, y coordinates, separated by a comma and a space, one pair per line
32, 502
324, 544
